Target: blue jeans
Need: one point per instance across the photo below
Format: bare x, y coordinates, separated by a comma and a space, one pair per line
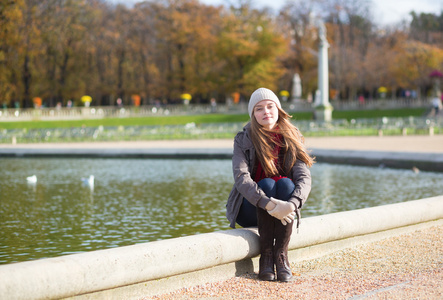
282, 190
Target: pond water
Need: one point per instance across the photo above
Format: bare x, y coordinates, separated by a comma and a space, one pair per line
141, 200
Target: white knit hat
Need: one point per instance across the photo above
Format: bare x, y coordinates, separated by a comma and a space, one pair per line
260, 95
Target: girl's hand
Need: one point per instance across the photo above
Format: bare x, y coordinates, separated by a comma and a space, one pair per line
288, 219
270, 206
282, 209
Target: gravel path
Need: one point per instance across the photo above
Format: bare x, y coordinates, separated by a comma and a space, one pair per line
412, 143
408, 266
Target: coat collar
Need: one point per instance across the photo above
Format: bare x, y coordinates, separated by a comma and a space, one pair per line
247, 142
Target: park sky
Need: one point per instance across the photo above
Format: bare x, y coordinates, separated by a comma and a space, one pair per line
384, 12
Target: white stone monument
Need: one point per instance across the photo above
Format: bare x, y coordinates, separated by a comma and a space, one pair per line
323, 109
296, 88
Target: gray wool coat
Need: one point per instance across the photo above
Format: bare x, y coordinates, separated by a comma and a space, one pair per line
243, 162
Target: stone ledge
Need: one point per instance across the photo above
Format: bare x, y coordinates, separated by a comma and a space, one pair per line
150, 268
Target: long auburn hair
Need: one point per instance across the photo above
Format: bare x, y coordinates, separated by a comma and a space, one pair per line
292, 143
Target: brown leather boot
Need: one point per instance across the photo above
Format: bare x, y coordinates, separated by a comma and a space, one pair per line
266, 232
266, 267
282, 237
284, 272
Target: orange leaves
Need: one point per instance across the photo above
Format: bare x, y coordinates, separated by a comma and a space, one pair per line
415, 61
161, 49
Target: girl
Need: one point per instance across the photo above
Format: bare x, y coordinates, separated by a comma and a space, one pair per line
272, 181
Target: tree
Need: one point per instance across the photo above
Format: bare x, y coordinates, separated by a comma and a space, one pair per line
11, 15
142, 43
427, 27
65, 55
302, 57
415, 62
382, 52
351, 35
25, 51
186, 37
249, 47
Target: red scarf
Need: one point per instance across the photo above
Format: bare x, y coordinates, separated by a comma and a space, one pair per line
260, 172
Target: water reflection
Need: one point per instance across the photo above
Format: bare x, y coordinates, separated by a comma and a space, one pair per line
338, 188
326, 192
135, 200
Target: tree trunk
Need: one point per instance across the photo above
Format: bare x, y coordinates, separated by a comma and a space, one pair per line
121, 58
26, 82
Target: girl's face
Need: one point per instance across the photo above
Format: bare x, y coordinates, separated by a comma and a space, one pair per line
266, 113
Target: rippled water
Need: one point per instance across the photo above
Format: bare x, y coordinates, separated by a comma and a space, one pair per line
139, 200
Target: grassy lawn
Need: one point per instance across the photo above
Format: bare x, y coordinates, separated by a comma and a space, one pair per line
138, 121
202, 119
211, 126
377, 113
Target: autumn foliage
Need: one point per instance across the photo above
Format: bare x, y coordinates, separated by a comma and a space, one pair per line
60, 50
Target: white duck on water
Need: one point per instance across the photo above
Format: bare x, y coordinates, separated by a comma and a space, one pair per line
31, 179
89, 181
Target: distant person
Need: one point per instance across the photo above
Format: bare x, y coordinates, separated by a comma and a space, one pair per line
272, 181
213, 105
436, 104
